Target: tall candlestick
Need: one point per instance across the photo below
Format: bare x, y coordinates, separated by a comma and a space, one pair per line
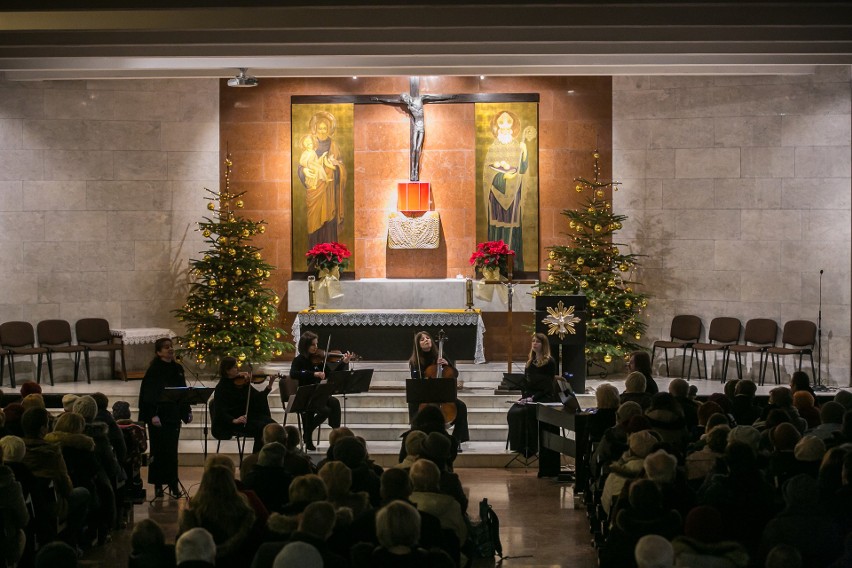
468, 293
312, 293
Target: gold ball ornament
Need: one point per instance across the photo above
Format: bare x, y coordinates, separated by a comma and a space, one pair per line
627, 303
606, 312
222, 240
236, 308
571, 225
213, 283
211, 206
227, 339
241, 356
210, 311
246, 233
599, 193
551, 279
277, 335
266, 274
580, 261
257, 256
191, 345
238, 272
278, 352
584, 284
252, 293
607, 358
629, 290
587, 350
638, 335
617, 225
614, 250
264, 309
549, 266
620, 331
226, 301
644, 303
262, 229
593, 303
596, 156
257, 342
206, 232
256, 319
259, 271
206, 258
232, 252
552, 254
623, 267
277, 300
610, 283
591, 209
229, 163
598, 228
578, 188
239, 204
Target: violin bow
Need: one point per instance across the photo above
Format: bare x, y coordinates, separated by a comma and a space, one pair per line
327, 347
417, 353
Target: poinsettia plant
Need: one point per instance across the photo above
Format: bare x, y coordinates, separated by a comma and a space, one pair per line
328, 256
492, 254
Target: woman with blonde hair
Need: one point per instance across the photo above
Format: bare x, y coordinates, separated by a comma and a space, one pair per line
538, 386
224, 512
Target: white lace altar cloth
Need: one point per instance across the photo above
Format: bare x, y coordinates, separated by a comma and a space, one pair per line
140, 335
414, 318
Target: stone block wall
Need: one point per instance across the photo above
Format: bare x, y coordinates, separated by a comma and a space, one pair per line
738, 191
101, 184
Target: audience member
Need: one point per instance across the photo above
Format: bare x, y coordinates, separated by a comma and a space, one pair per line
744, 407
425, 478
338, 482
634, 389
56, 554
703, 543
316, 525
630, 466
654, 551
805, 404
607, 400
148, 548
15, 516
679, 389
354, 454
195, 549
640, 361
269, 479
666, 418
413, 448
298, 554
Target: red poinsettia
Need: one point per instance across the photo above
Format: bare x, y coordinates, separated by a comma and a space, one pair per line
328, 256
491, 254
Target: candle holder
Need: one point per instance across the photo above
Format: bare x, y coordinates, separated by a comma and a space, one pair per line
312, 294
468, 293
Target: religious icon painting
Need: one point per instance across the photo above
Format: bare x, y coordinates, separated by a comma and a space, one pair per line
507, 178
323, 159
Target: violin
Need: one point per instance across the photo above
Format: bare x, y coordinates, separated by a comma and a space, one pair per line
440, 371
243, 378
320, 357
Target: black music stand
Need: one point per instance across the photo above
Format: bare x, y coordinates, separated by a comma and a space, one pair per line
350, 382
190, 396
308, 398
418, 391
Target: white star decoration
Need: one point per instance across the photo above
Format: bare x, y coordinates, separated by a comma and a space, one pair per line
561, 320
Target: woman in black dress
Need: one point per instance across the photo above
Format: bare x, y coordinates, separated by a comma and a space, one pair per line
163, 417
309, 368
538, 386
423, 355
234, 413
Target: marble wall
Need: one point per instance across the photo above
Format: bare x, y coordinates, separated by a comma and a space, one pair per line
738, 191
101, 184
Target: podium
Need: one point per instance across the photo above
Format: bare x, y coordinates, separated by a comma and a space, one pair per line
350, 382
563, 320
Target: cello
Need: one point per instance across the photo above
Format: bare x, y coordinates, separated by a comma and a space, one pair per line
440, 371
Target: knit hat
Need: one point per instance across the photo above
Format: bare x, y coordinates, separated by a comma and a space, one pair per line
627, 410
809, 449
436, 447
30, 387
414, 443
661, 466
831, 413
86, 406
350, 451
748, 435
704, 524
844, 397
68, 401
785, 437
641, 443
272, 455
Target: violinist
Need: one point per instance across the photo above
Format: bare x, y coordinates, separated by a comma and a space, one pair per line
240, 409
538, 386
424, 355
310, 367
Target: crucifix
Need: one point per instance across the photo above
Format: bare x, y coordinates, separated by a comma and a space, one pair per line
414, 101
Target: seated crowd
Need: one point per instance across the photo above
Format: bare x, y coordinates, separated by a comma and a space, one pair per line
345, 511
724, 482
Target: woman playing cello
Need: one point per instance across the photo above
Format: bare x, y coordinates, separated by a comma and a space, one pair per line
240, 409
423, 356
310, 367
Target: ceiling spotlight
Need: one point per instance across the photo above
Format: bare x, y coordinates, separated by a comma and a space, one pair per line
482, 77
243, 80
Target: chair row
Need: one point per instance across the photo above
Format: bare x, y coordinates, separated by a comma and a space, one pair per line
726, 335
54, 336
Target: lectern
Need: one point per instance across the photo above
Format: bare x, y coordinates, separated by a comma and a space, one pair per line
563, 320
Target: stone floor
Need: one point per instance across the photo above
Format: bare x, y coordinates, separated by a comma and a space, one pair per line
539, 525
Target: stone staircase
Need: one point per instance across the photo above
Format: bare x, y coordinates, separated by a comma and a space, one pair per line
380, 416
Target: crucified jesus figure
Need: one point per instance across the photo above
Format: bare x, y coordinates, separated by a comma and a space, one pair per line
414, 104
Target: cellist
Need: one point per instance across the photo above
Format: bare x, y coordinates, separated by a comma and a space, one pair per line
423, 355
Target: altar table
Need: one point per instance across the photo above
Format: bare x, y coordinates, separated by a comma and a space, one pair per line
388, 335
139, 347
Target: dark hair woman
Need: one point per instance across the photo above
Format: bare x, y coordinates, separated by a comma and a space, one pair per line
238, 408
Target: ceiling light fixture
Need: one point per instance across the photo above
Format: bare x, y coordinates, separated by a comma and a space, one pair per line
243, 80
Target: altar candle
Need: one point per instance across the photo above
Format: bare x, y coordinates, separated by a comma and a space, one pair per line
468, 293
312, 293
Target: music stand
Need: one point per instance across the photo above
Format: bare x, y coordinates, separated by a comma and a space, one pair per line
308, 398
418, 391
190, 396
350, 382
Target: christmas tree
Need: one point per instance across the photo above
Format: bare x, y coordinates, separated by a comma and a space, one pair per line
229, 311
593, 263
